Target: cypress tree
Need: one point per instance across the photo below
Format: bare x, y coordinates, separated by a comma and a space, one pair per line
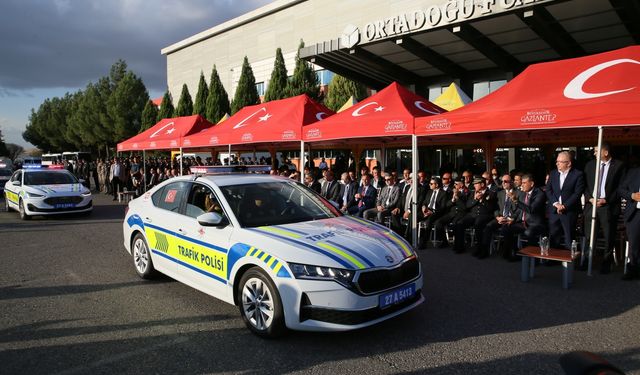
185, 104
166, 107
218, 100
340, 89
304, 80
149, 116
200, 105
246, 92
125, 106
278, 83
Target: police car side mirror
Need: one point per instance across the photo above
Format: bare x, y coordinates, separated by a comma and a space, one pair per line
17, 183
211, 219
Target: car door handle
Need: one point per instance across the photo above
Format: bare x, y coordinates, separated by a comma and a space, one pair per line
182, 231
148, 220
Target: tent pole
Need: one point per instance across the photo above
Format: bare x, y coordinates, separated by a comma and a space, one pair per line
181, 160
229, 156
302, 161
383, 156
414, 191
144, 170
593, 206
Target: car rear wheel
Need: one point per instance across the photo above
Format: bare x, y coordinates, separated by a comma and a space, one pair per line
260, 304
23, 213
142, 257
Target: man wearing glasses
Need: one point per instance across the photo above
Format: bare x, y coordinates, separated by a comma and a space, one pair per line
387, 200
433, 205
564, 190
505, 215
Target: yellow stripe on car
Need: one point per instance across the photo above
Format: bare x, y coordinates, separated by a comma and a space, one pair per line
335, 250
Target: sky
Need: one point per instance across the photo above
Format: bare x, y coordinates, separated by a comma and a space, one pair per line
51, 47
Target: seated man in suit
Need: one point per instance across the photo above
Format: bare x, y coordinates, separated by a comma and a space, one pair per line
630, 191
530, 219
455, 209
311, 183
481, 207
365, 197
330, 189
564, 190
504, 217
348, 190
386, 201
433, 206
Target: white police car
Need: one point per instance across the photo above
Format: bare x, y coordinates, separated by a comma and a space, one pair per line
275, 249
43, 191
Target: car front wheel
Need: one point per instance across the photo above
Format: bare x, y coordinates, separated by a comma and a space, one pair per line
23, 213
142, 257
7, 208
260, 304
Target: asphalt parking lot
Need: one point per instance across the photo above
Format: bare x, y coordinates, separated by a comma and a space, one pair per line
71, 303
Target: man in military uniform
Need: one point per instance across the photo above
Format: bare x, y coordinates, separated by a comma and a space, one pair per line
481, 207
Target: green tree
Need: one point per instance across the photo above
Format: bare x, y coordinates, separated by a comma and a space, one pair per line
218, 100
246, 92
200, 105
13, 151
185, 104
149, 116
125, 106
341, 89
304, 79
278, 83
166, 107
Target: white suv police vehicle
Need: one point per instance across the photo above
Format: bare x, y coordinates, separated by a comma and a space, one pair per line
283, 255
43, 191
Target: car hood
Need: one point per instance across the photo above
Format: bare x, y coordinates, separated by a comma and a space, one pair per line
57, 189
351, 243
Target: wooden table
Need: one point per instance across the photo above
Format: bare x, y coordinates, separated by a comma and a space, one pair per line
529, 254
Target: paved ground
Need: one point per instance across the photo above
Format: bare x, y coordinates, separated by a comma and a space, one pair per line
71, 303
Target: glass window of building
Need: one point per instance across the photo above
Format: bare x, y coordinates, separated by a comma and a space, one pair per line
324, 77
481, 89
260, 87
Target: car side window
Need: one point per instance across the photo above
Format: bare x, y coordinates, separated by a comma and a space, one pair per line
201, 200
17, 176
172, 196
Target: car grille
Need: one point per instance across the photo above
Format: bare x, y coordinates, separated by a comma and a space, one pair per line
353, 317
63, 200
378, 280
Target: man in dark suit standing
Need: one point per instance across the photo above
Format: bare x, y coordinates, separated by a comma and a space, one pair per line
348, 190
630, 191
365, 197
480, 206
386, 201
607, 200
530, 203
564, 190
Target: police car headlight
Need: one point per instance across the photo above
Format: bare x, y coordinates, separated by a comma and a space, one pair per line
86, 193
309, 272
33, 195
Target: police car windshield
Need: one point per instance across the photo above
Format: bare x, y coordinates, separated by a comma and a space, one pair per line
275, 203
49, 178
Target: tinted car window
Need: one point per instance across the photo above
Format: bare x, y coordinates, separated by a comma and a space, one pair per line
49, 178
172, 195
17, 176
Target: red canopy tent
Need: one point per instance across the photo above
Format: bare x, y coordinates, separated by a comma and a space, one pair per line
601, 90
166, 134
596, 90
390, 112
276, 121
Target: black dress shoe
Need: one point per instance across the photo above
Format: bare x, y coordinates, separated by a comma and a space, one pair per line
631, 274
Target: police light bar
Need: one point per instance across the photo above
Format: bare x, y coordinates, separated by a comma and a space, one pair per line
217, 169
32, 166
2, 165
55, 166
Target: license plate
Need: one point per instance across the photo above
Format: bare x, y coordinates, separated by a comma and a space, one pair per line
64, 205
397, 295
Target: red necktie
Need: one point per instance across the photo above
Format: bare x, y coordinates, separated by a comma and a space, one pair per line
524, 213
